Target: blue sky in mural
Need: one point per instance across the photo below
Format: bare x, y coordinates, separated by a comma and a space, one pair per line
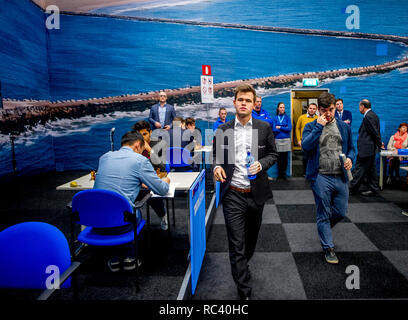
385, 17
120, 56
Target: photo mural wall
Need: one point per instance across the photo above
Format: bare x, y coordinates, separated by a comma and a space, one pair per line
64, 89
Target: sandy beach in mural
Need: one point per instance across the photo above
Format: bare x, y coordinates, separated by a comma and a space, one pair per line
84, 5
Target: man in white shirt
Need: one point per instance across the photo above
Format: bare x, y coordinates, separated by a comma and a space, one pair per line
162, 114
243, 198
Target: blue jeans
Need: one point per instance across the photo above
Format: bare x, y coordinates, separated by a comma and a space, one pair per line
331, 196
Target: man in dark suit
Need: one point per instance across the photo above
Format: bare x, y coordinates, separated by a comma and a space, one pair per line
243, 198
162, 114
341, 114
368, 144
178, 136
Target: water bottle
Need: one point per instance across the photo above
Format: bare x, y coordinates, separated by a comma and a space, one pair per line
249, 161
343, 159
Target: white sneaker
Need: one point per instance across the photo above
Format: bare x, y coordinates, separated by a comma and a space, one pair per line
164, 223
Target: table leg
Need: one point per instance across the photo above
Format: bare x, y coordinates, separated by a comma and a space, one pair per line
381, 173
203, 160
174, 214
168, 218
149, 234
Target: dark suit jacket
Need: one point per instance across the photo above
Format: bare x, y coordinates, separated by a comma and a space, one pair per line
176, 136
263, 150
369, 137
154, 115
345, 116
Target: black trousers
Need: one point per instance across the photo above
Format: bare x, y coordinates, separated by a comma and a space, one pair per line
304, 162
157, 204
282, 164
243, 219
365, 168
394, 166
121, 251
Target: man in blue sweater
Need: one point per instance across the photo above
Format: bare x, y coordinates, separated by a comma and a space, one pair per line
324, 140
221, 119
259, 113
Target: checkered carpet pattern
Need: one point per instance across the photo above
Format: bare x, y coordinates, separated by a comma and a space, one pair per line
289, 262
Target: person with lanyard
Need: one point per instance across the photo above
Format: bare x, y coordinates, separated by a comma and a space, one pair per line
259, 113
281, 127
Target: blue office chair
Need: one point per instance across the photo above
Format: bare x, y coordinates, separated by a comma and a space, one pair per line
32, 255
97, 208
179, 160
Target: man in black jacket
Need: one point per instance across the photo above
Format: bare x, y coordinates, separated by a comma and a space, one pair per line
368, 144
243, 198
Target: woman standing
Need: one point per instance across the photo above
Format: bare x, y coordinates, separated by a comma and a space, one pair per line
397, 141
281, 127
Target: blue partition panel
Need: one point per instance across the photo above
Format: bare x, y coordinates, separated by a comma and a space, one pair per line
217, 193
197, 227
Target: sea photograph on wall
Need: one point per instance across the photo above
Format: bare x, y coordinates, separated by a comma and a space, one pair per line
80, 80
67, 79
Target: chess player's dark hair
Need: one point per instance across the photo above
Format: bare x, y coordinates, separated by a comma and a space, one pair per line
140, 125
325, 100
130, 137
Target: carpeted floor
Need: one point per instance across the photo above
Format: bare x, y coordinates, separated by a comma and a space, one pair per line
289, 262
163, 267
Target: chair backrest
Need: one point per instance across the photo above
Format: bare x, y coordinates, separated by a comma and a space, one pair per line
100, 208
177, 157
26, 251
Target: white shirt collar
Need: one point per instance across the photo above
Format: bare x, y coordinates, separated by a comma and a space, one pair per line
366, 112
239, 123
